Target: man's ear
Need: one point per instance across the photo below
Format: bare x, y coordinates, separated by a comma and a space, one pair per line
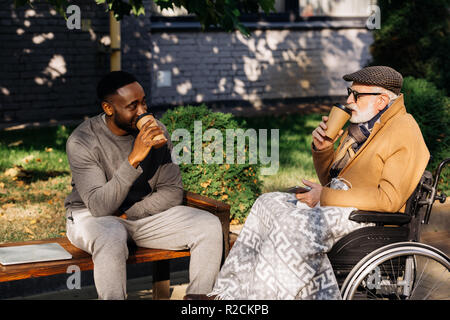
383, 102
108, 108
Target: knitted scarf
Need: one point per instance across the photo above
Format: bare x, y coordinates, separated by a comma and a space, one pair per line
358, 133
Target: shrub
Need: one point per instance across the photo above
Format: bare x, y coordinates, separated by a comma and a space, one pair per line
431, 109
235, 184
414, 39
61, 136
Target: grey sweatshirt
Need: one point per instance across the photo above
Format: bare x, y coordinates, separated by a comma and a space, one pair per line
107, 184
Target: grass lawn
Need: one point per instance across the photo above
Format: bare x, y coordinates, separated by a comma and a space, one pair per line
34, 180
294, 149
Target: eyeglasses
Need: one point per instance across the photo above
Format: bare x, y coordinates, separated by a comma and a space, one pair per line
356, 94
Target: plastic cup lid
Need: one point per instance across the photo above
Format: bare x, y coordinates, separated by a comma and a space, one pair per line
342, 107
143, 115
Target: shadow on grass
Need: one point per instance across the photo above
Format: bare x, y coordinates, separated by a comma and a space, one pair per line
37, 138
33, 175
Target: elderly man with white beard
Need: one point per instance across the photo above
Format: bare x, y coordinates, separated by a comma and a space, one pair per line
281, 250
382, 153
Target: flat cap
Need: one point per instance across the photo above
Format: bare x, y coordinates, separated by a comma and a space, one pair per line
380, 76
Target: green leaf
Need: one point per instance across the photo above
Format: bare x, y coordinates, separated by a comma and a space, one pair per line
223, 13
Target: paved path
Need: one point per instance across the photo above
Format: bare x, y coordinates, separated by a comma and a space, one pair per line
437, 233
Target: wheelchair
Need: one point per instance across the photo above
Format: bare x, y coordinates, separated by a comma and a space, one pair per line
386, 261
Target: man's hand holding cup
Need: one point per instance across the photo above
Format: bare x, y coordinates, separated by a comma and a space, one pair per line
320, 140
330, 129
150, 136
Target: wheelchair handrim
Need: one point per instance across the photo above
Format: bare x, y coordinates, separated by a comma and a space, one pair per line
383, 249
349, 286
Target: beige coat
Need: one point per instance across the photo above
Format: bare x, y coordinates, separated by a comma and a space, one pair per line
385, 170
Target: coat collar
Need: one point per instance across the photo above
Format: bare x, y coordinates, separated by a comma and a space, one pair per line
397, 108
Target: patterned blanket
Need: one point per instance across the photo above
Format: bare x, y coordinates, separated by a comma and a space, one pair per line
281, 251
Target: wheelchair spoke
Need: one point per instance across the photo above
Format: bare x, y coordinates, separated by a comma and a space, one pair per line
393, 271
392, 282
374, 296
435, 287
395, 280
419, 280
433, 277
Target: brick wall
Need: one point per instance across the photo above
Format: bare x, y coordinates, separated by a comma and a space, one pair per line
46, 70
272, 64
136, 47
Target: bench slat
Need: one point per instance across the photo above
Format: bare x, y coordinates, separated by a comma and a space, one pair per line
79, 258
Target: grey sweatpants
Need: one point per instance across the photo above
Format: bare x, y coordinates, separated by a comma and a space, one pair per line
177, 228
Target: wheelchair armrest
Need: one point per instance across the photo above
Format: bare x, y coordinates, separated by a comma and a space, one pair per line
385, 218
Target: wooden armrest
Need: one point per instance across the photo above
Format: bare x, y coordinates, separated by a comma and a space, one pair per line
217, 208
380, 217
198, 201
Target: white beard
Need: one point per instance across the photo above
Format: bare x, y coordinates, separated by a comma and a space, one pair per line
361, 117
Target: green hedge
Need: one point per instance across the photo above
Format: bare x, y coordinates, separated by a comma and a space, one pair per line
235, 184
414, 39
431, 109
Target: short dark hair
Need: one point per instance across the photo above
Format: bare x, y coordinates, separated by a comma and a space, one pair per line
114, 80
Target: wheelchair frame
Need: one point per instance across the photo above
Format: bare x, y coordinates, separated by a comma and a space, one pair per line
393, 232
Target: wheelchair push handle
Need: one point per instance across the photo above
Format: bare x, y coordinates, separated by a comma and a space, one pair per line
442, 197
434, 196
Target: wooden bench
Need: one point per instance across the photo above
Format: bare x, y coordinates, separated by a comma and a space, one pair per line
161, 258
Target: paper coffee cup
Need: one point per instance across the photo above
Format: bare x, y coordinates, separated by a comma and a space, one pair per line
337, 118
143, 119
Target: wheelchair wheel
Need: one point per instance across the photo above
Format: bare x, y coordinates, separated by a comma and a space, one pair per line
400, 271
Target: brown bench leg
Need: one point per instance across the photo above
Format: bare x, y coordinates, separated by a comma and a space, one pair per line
161, 280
